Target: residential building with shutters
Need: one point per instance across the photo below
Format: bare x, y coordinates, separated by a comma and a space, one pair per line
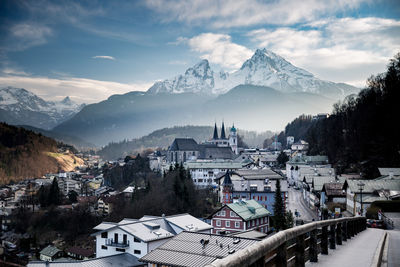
138, 237
240, 216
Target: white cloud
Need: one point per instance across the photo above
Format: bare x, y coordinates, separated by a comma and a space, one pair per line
219, 49
24, 35
346, 49
236, 13
79, 89
104, 57
11, 71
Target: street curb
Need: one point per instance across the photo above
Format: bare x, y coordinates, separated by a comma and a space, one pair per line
377, 259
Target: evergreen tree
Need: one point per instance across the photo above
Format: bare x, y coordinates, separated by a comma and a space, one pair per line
282, 158
279, 212
54, 193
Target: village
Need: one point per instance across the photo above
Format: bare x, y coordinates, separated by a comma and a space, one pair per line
245, 182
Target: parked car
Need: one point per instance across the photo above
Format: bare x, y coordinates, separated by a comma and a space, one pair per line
375, 224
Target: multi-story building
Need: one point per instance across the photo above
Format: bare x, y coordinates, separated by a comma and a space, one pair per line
244, 184
138, 237
204, 172
240, 216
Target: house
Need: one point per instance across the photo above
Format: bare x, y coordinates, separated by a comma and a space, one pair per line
138, 237
128, 191
240, 216
372, 190
80, 253
196, 249
50, 253
258, 185
105, 204
204, 172
300, 146
299, 166
120, 260
333, 193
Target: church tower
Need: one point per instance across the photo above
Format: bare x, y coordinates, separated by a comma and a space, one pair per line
227, 188
233, 140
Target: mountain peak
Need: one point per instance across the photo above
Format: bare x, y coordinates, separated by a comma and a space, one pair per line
66, 100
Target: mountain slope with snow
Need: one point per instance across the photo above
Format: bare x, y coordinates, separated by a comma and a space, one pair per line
264, 68
19, 106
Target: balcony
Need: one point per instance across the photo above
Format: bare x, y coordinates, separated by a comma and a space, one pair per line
110, 242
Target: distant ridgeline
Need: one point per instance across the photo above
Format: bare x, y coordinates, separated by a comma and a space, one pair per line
164, 138
25, 154
362, 133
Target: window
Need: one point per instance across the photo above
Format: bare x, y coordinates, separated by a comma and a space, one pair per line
136, 251
227, 223
136, 240
233, 214
125, 239
218, 222
104, 235
223, 212
248, 224
120, 249
104, 247
237, 224
200, 180
253, 222
116, 238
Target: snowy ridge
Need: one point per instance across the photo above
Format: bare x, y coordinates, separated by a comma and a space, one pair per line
264, 68
21, 104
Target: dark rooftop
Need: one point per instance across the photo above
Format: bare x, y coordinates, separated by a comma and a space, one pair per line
196, 249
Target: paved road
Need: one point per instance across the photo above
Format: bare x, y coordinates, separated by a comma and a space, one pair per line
394, 240
356, 252
296, 202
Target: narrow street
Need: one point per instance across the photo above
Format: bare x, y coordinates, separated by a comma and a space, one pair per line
296, 202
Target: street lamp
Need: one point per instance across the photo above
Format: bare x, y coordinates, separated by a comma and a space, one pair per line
361, 187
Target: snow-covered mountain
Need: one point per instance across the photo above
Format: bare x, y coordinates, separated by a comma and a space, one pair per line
19, 106
264, 68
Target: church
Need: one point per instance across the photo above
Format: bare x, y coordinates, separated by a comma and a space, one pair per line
218, 147
223, 141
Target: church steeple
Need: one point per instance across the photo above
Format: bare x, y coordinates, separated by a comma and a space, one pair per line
223, 131
215, 136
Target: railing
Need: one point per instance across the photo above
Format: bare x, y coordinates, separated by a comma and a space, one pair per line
295, 246
110, 242
389, 222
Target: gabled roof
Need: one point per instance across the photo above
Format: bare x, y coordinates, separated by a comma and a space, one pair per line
389, 171
249, 209
372, 185
187, 249
50, 251
334, 189
120, 260
208, 151
184, 144
149, 228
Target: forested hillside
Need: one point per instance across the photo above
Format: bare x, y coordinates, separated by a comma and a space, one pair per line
363, 131
25, 154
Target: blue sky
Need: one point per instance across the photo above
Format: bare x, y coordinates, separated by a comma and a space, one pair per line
93, 49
